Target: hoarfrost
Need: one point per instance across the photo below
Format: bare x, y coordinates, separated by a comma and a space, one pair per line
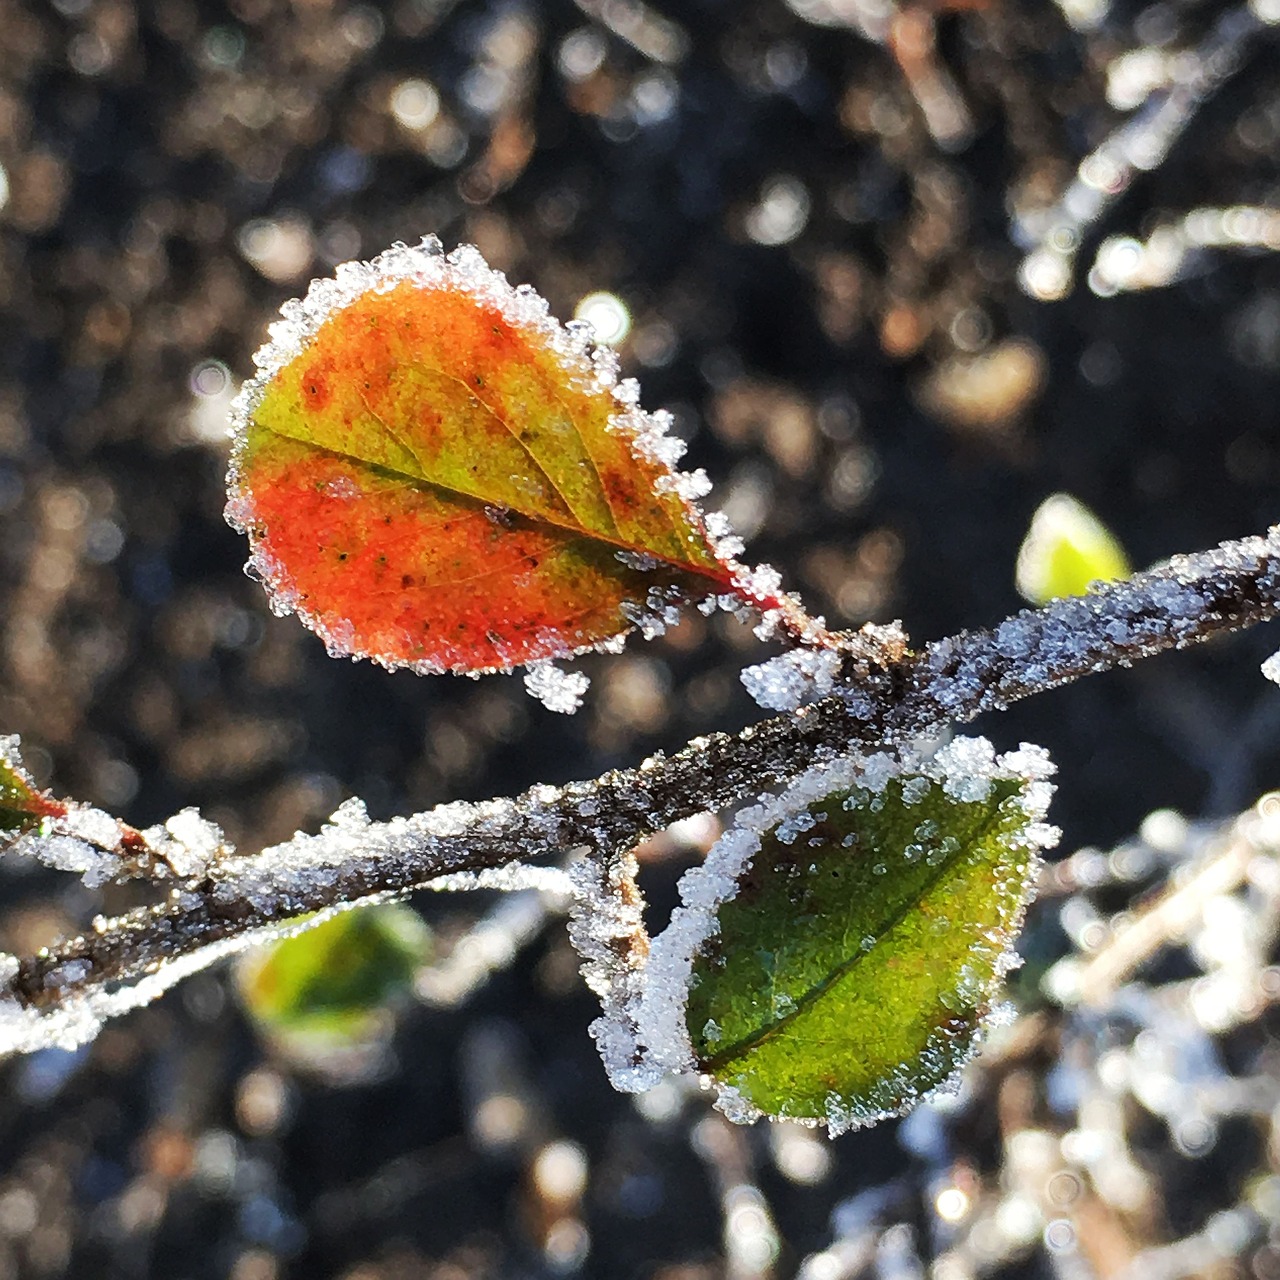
515, 877
66, 853
81, 839
1271, 668
792, 679
280, 882
606, 928
77, 1017
557, 689
727, 544
187, 842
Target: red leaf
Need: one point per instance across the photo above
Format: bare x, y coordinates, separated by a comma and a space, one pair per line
434, 473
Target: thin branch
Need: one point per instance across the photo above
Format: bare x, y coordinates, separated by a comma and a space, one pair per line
61, 994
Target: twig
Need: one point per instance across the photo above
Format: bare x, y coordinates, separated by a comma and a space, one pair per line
61, 994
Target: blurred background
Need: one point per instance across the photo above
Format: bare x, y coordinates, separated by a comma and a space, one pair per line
901, 272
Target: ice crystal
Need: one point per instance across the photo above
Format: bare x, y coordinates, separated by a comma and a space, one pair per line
557, 689
188, 843
80, 839
793, 678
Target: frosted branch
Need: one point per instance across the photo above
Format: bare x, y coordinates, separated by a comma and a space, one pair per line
61, 994
1140, 145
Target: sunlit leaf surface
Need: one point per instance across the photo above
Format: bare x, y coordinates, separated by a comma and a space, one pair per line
864, 948
1066, 548
434, 474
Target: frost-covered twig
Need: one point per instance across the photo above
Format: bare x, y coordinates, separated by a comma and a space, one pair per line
60, 995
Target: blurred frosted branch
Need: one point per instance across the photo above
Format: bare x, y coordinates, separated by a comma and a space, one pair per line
1140, 145
1176, 248
62, 994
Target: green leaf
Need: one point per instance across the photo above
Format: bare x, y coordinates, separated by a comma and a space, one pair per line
865, 945
1066, 548
335, 981
23, 806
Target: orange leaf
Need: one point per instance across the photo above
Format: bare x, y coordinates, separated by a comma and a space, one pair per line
434, 473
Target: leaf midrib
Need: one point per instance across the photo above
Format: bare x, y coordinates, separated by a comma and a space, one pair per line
721, 579
766, 1032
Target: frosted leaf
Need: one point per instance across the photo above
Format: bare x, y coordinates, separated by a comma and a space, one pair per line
28, 813
308, 445
1271, 668
557, 689
966, 784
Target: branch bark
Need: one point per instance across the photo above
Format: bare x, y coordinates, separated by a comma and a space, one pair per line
61, 994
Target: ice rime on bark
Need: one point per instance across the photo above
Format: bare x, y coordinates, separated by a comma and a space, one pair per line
79, 1017
123, 962
793, 678
101, 849
643, 1032
278, 882
606, 927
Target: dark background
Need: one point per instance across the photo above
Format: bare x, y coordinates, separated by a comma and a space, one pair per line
177, 169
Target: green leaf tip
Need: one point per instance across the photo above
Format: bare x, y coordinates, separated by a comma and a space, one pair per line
1066, 549
844, 946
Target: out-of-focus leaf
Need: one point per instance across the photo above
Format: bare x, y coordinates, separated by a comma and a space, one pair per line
865, 946
335, 981
433, 474
23, 806
1066, 548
